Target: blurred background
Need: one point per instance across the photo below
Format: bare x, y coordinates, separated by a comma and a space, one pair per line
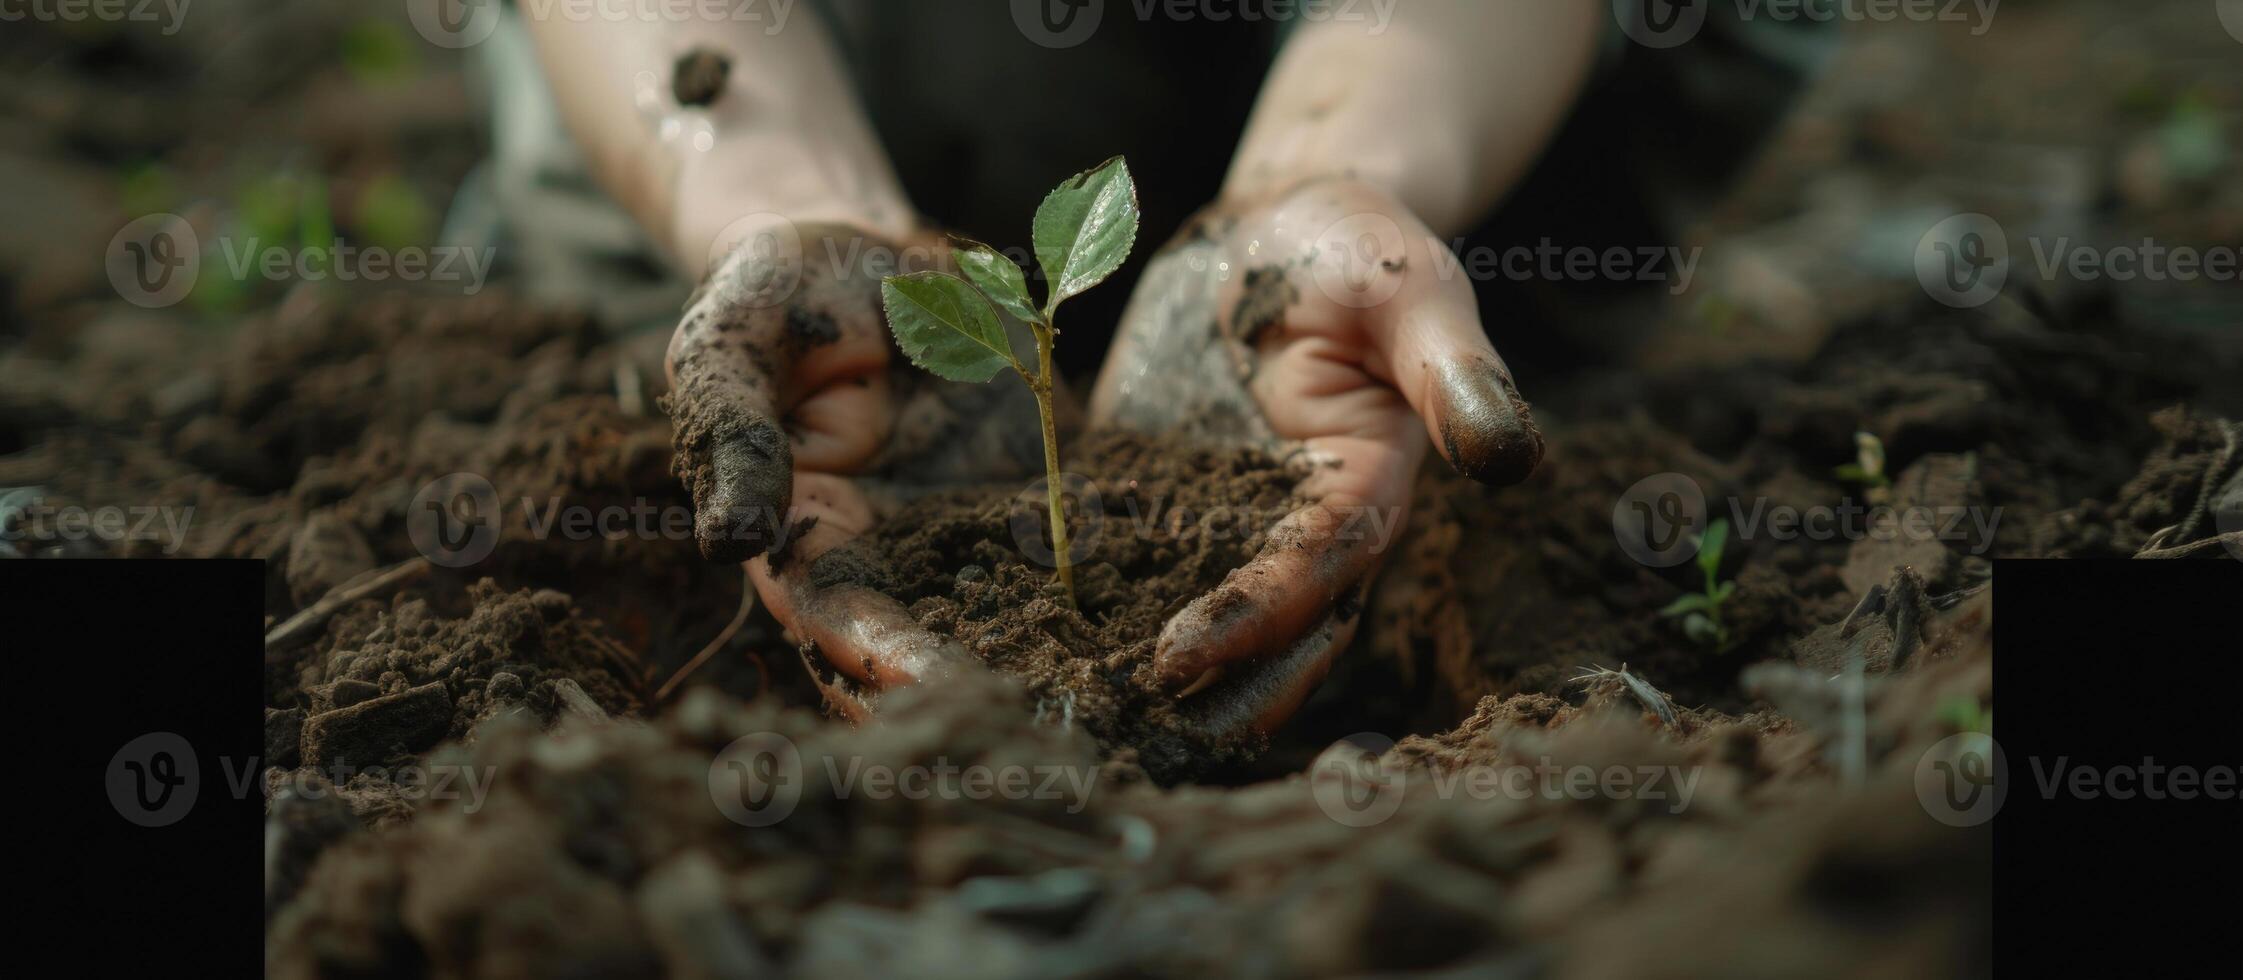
2096, 124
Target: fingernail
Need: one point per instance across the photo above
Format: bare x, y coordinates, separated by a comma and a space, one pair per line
1487, 432
1185, 651
1206, 680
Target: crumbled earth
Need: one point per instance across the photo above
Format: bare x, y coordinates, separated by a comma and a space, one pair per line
1156, 525
601, 847
470, 775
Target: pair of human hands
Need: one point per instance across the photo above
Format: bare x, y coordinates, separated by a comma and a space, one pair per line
1326, 324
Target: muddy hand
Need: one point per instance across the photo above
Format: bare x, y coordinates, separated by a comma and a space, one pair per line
1331, 326
790, 410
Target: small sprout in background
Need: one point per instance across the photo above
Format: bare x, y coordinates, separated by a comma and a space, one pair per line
377, 52
1974, 728
1719, 314
1868, 467
1966, 716
949, 326
315, 224
2193, 140
390, 212
147, 188
1701, 611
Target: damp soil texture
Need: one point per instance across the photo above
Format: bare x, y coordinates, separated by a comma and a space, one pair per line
474, 769
1154, 523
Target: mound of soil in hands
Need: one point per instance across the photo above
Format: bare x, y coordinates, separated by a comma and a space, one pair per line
1156, 524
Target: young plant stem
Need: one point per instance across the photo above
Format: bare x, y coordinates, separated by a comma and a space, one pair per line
1042, 386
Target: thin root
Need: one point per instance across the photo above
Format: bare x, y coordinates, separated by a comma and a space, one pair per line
1652, 699
747, 602
365, 585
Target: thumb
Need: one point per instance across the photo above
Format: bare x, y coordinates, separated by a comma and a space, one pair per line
1422, 324
1440, 360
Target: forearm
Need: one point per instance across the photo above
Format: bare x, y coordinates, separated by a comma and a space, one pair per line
1445, 107
790, 139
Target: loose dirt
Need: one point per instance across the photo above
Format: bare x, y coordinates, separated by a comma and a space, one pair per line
1154, 524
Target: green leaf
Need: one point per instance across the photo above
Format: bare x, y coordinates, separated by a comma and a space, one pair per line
944, 325
1700, 628
1694, 602
1710, 545
1723, 593
1084, 229
997, 277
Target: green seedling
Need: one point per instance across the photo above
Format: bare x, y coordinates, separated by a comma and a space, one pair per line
1701, 611
1868, 467
949, 325
1966, 716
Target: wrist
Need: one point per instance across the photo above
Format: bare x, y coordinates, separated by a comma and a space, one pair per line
728, 195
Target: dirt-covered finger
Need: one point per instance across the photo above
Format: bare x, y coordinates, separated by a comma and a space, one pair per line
1314, 561
1312, 564
829, 592
1427, 341
1260, 696
778, 362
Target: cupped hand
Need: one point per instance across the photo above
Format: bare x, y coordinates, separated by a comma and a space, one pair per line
795, 419
1330, 326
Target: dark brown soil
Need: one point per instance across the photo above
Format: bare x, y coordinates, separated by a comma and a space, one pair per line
584, 833
1170, 521
2173, 495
